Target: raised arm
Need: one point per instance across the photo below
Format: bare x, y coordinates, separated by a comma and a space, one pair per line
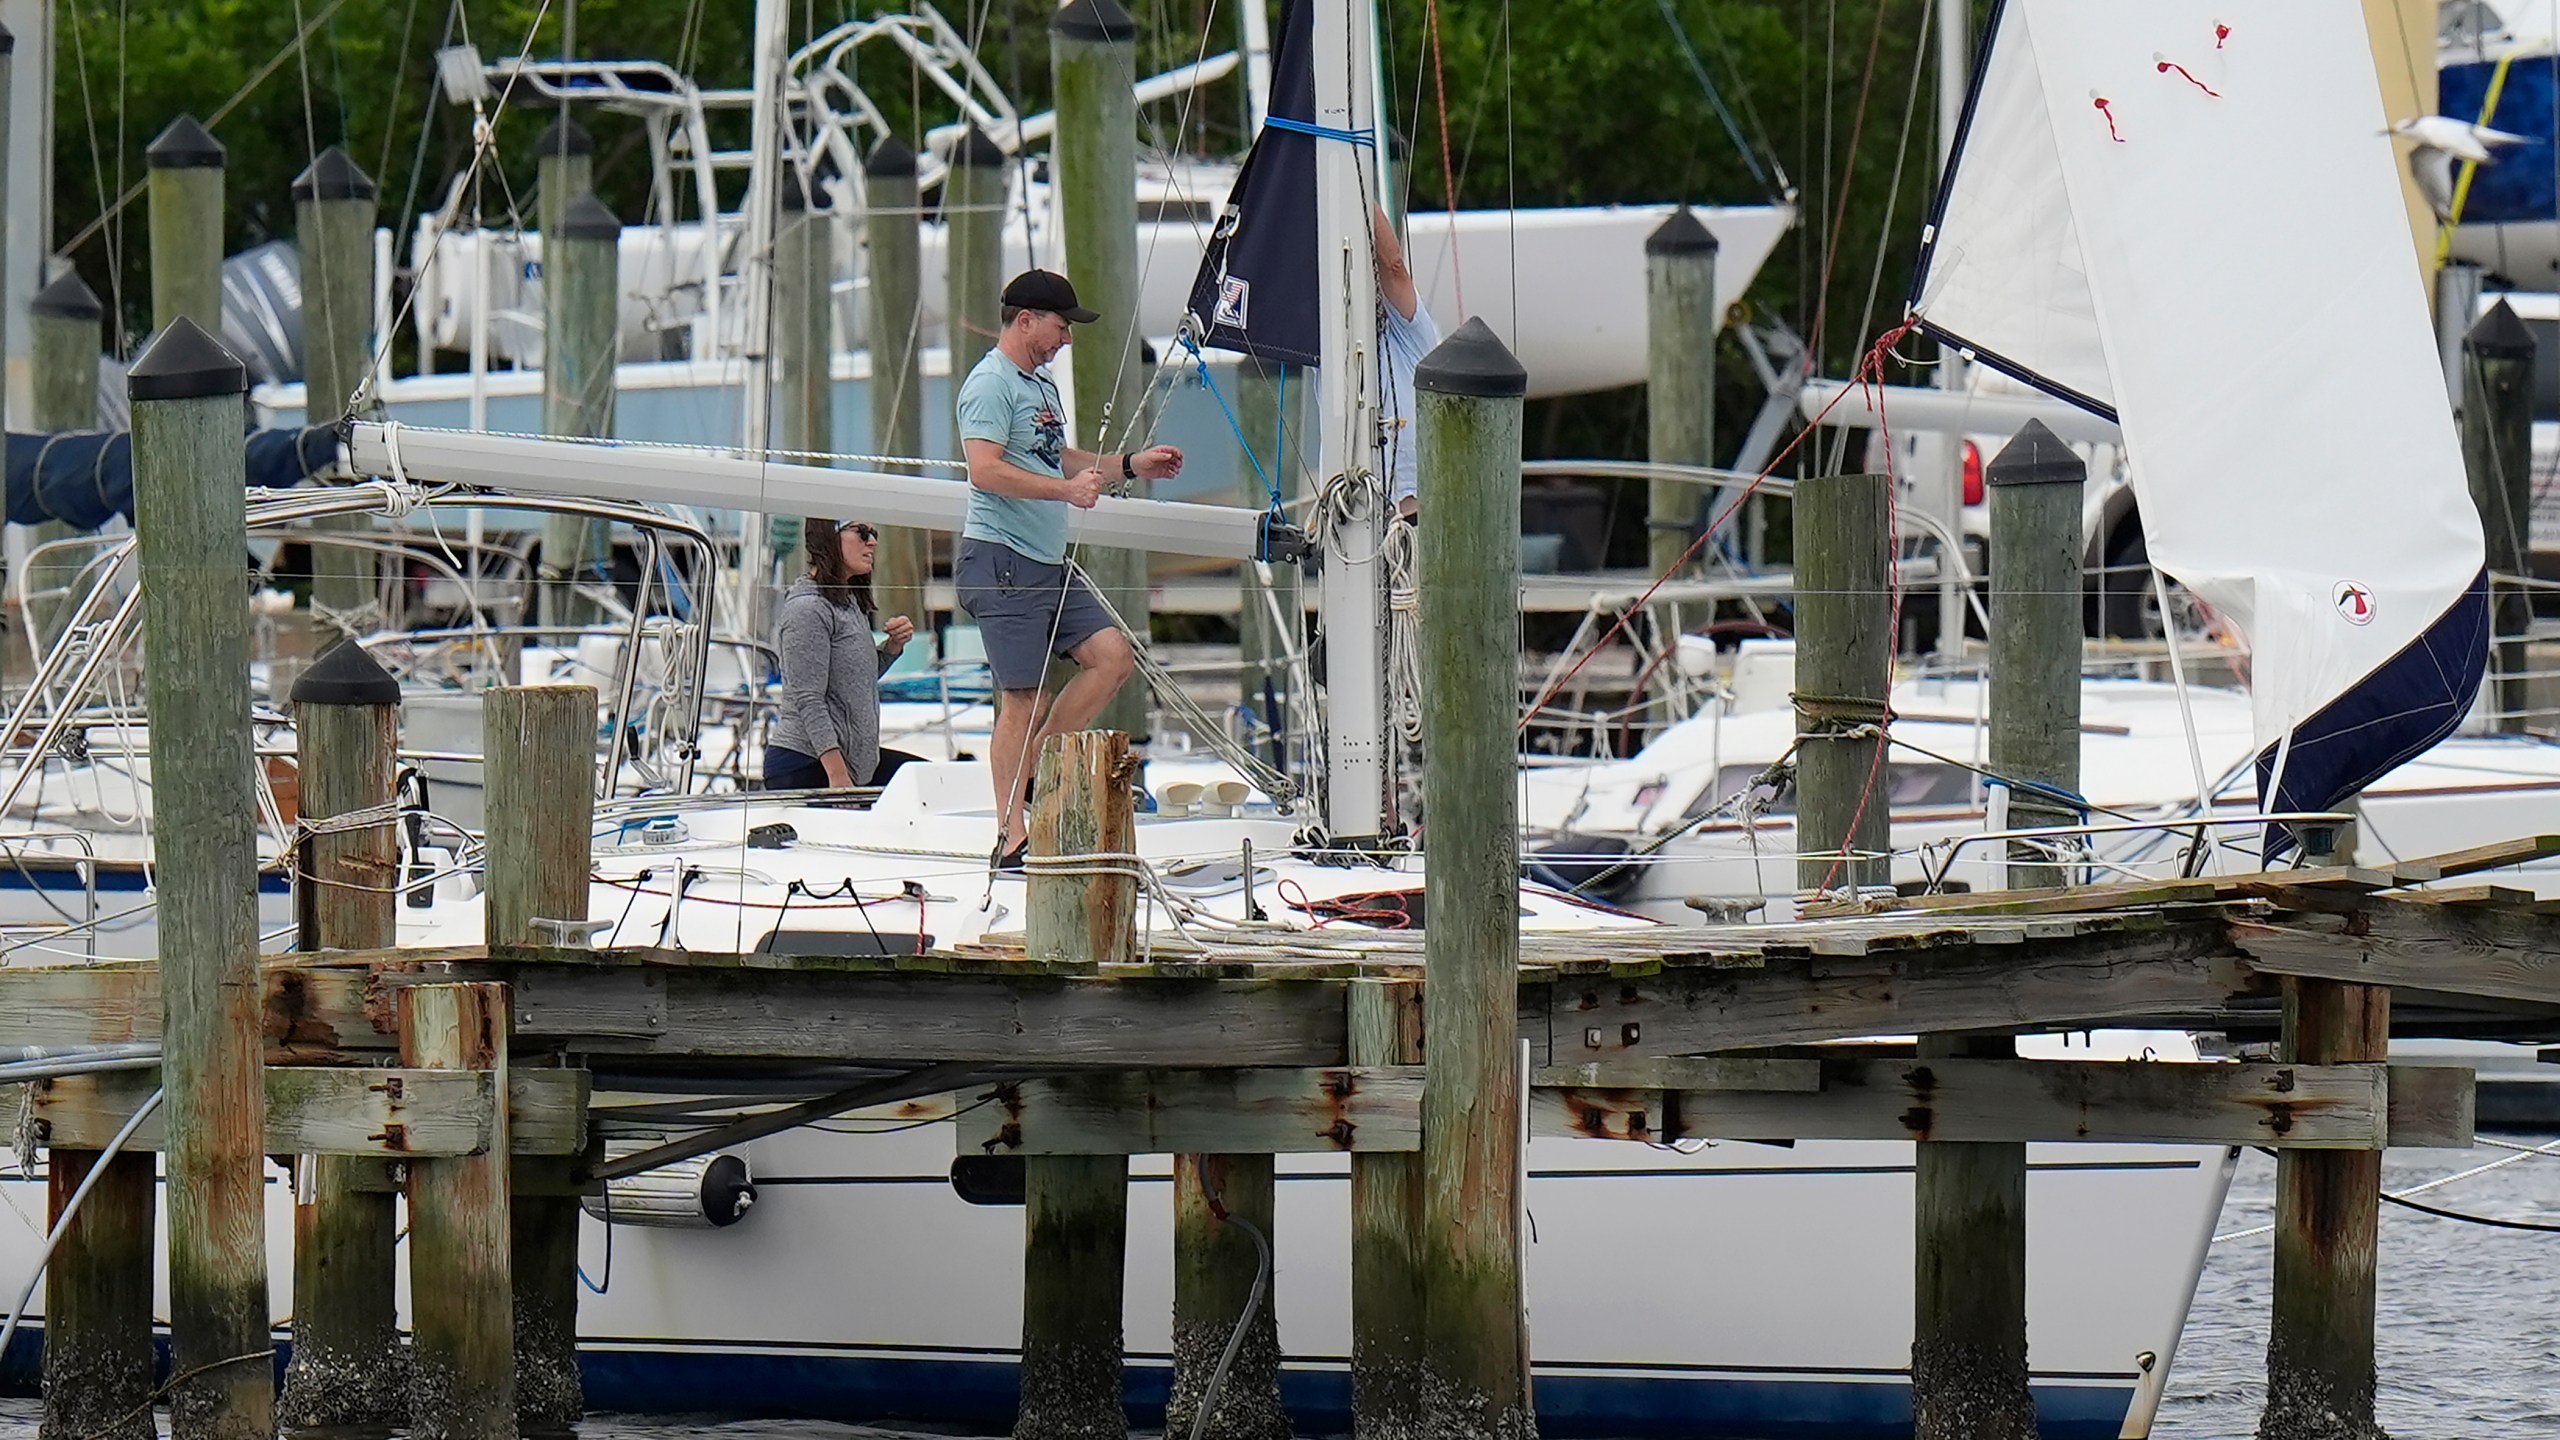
1395, 278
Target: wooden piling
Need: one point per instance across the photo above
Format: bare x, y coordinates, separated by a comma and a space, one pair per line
1076, 1214
1215, 1266
185, 181
1386, 1232
973, 196
2320, 1363
1475, 1375
1969, 1323
1680, 375
804, 329
539, 747
563, 169
581, 296
2497, 453
193, 538
349, 1364
1094, 165
894, 329
461, 1309
333, 207
98, 1359
1844, 658
64, 342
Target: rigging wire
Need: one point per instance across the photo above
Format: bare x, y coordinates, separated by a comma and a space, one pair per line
1732, 130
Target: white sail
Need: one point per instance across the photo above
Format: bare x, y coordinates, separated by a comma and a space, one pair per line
2187, 215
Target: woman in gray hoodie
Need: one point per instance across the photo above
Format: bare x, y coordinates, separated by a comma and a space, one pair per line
827, 733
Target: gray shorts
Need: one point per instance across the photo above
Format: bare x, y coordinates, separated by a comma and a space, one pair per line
1027, 610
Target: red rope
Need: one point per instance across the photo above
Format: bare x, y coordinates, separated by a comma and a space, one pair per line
2112, 133
1448, 170
2168, 65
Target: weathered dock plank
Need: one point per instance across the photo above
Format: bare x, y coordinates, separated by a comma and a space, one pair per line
2449, 949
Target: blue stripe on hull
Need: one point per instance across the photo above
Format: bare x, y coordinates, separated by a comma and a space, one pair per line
981, 1393
1570, 1407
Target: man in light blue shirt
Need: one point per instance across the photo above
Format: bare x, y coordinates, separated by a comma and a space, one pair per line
1011, 568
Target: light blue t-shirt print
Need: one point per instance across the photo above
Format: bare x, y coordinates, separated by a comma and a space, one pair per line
1021, 412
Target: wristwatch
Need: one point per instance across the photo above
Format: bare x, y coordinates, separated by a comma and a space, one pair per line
1128, 466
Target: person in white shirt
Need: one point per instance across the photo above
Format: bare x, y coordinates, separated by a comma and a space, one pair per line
1409, 334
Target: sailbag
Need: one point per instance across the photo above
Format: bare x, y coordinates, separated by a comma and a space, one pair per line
1256, 288
2186, 217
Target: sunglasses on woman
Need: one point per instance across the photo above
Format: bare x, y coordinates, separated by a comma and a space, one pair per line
869, 534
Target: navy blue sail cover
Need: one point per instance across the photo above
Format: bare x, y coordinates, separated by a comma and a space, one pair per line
1256, 290
85, 478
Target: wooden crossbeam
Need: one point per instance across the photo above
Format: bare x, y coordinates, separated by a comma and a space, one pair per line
391, 1113
1251, 1112
2339, 1107
1300, 1111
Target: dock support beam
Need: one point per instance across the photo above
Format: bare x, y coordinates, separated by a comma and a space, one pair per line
1844, 659
333, 208
581, 317
188, 475
1093, 57
1216, 1269
539, 741
2320, 1368
1475, 1364
350, 1366
895, 326
1076, 1207
1386, 1232
2497, 453
461, 1310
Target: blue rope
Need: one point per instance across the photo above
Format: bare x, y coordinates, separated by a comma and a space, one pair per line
1321, 132
1280, 462
1269, 484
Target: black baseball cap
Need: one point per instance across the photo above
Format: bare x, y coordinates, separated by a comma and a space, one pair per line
1047, 290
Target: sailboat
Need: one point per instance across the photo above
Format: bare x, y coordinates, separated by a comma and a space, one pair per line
865, 1282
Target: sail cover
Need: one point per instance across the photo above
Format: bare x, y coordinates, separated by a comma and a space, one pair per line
2186, 216
85, 478
1256, 288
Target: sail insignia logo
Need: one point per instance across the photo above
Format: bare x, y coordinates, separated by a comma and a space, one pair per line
1235, 293
2354, 602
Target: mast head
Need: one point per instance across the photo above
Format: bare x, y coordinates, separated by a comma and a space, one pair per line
1473, 362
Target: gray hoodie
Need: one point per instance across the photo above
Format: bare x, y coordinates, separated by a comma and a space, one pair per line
830, 680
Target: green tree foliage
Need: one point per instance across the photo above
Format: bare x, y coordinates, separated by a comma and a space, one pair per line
1548, 102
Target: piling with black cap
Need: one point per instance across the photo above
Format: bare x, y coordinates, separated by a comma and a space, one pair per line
563, 170
1681, 321
2497, 455
1093, 59
973, 238
65, 339
349, 1366
192, 536
581, 317
333, 207
804, 310
1468, 397
185, 183
894, 332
